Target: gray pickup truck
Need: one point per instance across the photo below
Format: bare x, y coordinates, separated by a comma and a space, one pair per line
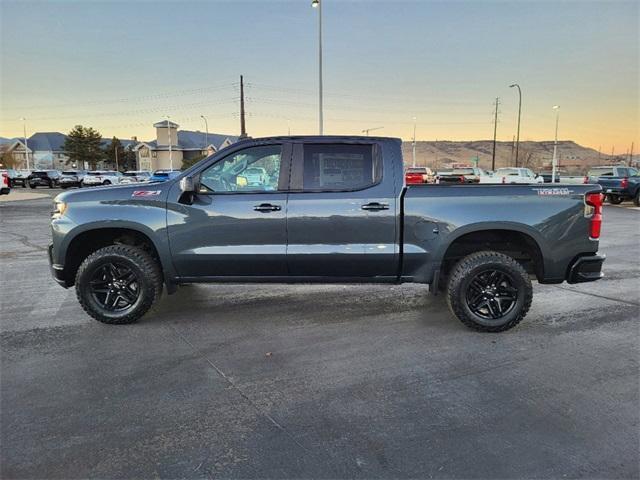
323, 209
618, 183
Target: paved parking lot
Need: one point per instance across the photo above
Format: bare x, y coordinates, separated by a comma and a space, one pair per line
317, 381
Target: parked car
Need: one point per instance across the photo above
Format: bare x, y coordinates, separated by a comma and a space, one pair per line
164, 175
44, 178
338, 212
462, 175
135, 176
5, 183
619, 183
414, 175
101, 177
72, 178
15, 177
512, 175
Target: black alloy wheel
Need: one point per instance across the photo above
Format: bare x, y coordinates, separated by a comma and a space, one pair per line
489, 291
491, 294
115, 287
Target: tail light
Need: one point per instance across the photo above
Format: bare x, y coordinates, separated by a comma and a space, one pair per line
462, 179
593, 210
624, 183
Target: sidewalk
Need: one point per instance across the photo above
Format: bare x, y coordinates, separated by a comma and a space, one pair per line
17, 195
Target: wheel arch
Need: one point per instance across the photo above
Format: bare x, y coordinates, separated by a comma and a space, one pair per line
83, 241
519, 241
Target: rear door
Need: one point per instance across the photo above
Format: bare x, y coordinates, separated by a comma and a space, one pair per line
341, 212
236, 224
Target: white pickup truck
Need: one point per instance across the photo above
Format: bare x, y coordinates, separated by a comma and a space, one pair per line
512, 175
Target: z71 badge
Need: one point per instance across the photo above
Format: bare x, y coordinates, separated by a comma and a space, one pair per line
146, 193
553, 191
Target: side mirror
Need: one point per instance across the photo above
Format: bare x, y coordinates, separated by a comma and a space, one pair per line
187, 185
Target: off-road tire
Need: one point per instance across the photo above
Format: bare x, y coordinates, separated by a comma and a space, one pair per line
106, 182
615, 199
467, 269
148, 273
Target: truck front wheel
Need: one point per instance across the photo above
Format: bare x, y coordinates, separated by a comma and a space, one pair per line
118, 284
489, 291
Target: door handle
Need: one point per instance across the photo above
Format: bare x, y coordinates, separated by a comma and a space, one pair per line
375, 206
267, 207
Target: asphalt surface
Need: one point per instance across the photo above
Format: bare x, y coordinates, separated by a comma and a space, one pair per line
317, 381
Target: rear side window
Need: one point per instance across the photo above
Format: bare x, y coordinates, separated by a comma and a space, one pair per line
601, 172
340, 167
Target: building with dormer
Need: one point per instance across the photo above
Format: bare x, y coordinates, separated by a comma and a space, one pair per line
171, 146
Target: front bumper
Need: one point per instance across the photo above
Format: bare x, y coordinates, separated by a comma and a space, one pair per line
586, 269
57, 271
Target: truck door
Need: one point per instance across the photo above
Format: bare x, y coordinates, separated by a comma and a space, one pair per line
341, 212
236, 223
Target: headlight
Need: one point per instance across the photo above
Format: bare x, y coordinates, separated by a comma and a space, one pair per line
58, 209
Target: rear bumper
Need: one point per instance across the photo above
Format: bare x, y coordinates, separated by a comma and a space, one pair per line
57, 271
586, 269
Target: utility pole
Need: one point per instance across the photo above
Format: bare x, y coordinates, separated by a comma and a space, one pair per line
115, 150
495, 131
519, 111
554, 164
206, 132
317, 4
243, 128
414, 141
26, 146
599, 150
631, 155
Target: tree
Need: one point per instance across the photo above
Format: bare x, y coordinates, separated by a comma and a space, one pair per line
83, 145
7, 160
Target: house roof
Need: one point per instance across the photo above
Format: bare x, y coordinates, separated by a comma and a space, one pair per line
46, 141
198, 140
163, 124
105, 142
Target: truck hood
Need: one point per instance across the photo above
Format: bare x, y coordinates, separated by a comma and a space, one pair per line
141, 191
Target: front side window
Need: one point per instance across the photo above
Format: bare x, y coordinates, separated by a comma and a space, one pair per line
254, 169
340, 167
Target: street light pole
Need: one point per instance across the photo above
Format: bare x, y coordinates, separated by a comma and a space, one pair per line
206, 132
519, 112
26, 146
318, 4
554, 164
170, 152
414, 141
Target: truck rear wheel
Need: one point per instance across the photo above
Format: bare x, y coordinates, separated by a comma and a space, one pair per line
489, 291
118, 284
615, 199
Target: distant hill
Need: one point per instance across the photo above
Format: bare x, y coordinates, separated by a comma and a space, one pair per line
536, 155
6, 140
